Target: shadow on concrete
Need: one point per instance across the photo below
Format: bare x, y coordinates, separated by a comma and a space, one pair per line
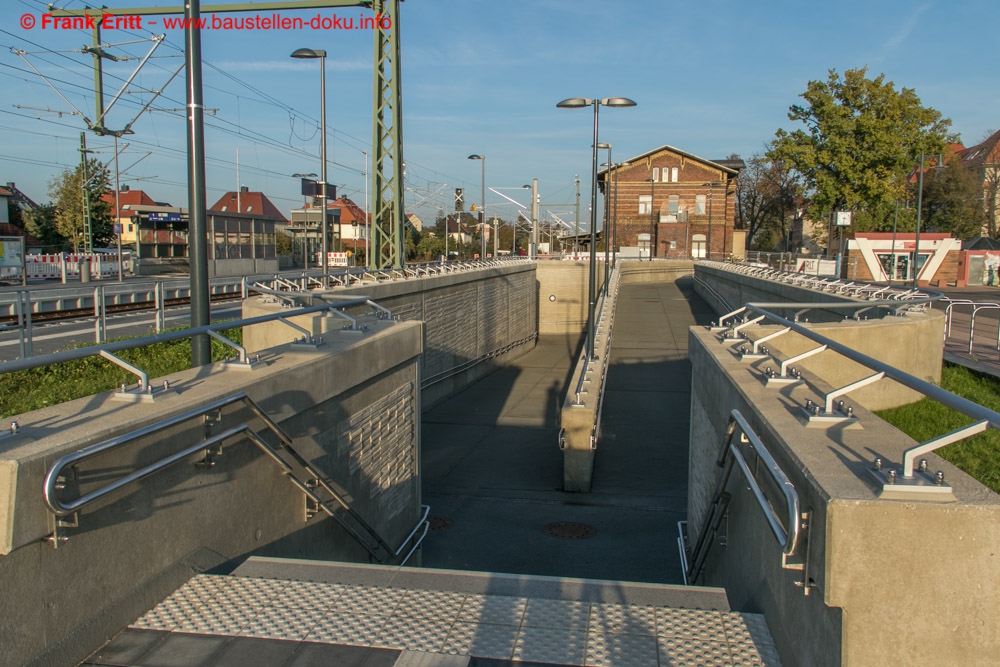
492, 468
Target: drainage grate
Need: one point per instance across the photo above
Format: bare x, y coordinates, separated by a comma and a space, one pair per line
437, 523
565, 530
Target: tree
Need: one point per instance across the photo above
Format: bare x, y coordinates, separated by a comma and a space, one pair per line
862, 138
952, 200
40, 222
766, 190
66, 191
283, 243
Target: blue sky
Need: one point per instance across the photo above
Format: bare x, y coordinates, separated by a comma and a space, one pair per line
484, 76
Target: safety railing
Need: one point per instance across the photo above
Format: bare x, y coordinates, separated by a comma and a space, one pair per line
144, 391
315, 486
831, 284
965, 313
785, 522
911, 478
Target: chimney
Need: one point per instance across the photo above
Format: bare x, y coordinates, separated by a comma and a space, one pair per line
124, 188
244, 189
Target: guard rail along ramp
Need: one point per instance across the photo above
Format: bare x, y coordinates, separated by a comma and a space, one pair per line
580, 417
320, 494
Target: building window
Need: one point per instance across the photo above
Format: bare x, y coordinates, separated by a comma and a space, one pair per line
656, 173
645, 204
674, 205
699, 205
673, 174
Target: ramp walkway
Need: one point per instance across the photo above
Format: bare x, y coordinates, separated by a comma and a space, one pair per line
515, 571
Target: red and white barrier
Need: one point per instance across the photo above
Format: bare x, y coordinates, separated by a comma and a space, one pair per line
102, 265
333, 258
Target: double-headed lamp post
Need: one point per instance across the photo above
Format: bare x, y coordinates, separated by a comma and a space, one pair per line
321, 54
482, 206
574, 103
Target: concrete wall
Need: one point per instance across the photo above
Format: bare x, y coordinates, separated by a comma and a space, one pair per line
564, 295
891, 581
913, 342
738, 289
134, 547
475, 321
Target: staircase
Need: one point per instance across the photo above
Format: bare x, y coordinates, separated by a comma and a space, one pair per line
291, 612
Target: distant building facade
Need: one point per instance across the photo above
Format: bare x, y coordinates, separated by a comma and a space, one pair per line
672, 204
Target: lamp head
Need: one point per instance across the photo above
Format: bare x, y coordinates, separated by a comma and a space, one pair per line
308, 53
477, 157
604, 146
617, 102
575, 102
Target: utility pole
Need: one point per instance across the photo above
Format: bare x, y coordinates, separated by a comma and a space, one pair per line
88, 232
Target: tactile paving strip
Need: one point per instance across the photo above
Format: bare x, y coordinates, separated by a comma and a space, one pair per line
493, 627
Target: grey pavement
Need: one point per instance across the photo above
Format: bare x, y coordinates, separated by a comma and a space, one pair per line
493, 472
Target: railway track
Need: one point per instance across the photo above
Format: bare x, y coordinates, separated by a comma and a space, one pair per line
7, 321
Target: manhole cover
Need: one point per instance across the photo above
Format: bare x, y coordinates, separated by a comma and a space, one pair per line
437, 523
566, 530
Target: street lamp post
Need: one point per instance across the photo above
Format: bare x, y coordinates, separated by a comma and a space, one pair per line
574, 103
321, 54
920, 195
482, 206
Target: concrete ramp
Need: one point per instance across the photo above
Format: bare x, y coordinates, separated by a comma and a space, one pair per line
295, 612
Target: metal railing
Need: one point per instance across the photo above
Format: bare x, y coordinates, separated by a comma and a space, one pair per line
905, 479
785, 524
968, 334
357, 527
99, 350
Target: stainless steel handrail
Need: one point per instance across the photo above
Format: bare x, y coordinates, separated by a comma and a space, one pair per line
60, 508
787, 535
932, 391
94, 350
788, 538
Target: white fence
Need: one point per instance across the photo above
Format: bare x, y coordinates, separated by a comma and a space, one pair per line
102, 265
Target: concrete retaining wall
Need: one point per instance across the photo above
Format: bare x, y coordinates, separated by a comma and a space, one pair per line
472, 321
564, 295
890, 581
738, 289
351, 408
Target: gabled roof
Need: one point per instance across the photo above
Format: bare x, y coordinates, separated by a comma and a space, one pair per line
981, 243
732, 167
254, 203
24, 201
986, 151
349, 211
4, 192
131, 198
7, 229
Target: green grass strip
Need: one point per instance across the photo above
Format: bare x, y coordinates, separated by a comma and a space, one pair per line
978, 456
27, 390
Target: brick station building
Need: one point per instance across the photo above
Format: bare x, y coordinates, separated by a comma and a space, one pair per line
674, 204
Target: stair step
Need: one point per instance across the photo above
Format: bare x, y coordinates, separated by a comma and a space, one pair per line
420, 616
